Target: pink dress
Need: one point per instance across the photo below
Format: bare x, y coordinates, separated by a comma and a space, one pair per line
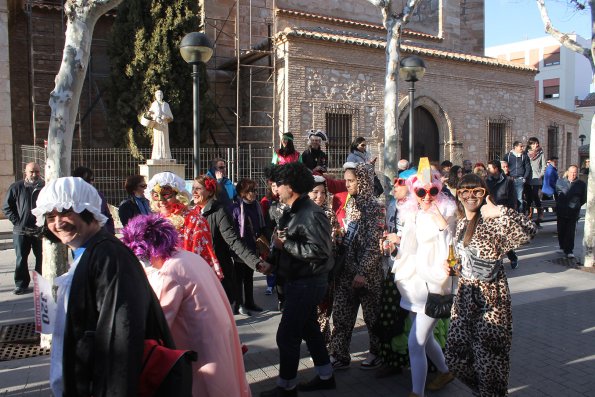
200, 319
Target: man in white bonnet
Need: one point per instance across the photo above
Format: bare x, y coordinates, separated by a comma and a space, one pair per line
106, 307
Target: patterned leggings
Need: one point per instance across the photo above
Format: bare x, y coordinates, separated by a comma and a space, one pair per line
480, 336
345, 306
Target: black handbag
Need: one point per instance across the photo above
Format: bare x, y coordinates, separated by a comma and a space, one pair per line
439, 306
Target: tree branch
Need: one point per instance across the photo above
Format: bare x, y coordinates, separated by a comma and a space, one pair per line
564, 38
408, 10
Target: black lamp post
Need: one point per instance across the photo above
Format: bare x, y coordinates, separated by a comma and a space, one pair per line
582, 137
196, 48
411, 69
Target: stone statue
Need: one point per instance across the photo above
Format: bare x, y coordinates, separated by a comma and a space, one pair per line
161, 115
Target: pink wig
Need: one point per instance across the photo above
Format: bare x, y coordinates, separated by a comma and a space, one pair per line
150, 236
444, 203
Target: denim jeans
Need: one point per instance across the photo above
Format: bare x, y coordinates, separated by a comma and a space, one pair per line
22, 247
519, 183
299, 322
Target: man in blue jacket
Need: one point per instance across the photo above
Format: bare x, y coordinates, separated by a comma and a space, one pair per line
519, 167
550, 178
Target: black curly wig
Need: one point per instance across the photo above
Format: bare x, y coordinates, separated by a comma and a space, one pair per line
296, 175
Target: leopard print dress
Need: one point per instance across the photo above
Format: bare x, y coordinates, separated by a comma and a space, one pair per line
480, 334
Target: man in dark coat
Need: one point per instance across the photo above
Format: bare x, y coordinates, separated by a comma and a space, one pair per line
303, 242
314, 157
20, 200
106, 307
501, 191
519, 168
571, 195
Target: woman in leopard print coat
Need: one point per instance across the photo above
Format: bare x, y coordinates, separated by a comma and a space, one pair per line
360, 281
480, 334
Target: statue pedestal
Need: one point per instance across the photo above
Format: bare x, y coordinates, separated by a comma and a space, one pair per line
156, 166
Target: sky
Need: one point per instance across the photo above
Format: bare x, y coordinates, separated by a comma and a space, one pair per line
508, 21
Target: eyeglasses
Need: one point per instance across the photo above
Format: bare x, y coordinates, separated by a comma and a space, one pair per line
477, 192
421, 192
399, 182
144, 185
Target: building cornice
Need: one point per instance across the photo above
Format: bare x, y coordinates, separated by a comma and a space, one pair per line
365, 40
349, 22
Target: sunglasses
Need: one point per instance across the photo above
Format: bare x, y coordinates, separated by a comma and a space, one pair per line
421, 192
477, 192
144, 185
399, 182
221, 167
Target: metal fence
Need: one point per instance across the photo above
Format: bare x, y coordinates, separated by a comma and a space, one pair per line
111, 166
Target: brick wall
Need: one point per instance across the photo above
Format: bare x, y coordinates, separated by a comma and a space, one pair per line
7, 175
461, 96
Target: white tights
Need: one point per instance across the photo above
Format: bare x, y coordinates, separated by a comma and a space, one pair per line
422, 343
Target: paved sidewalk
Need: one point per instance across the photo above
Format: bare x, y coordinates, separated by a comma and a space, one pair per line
553, 352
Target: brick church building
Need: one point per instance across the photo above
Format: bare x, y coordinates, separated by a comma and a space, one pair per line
292, 65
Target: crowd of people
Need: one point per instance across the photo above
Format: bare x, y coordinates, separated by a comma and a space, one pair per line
185, 263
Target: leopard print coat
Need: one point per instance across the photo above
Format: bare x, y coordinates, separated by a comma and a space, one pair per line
480, 334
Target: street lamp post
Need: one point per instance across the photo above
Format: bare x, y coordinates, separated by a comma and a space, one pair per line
196, 48
411, 69
582, 137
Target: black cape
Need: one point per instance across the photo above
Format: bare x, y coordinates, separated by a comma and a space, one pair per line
111, 311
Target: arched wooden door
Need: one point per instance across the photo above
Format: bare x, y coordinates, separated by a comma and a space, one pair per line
425, 136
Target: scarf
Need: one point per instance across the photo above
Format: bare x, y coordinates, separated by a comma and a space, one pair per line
533, 154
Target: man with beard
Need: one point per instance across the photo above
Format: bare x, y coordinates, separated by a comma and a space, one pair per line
20, 200
313, 157
303, 243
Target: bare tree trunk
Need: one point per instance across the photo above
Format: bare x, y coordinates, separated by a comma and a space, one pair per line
393, 22
566, 41
64, 102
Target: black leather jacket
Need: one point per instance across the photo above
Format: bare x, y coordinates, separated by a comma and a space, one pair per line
307, 251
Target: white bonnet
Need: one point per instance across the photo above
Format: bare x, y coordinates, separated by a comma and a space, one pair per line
350, 165
68, 192
319, 179
167, 179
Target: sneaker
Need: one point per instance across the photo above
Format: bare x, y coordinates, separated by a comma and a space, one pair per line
570, 256
279, 392
19, 291
318, 384
242, 310
338, 364
268, 291
371, 362
514, 264
440, 381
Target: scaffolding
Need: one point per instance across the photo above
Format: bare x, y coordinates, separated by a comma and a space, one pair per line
252, 65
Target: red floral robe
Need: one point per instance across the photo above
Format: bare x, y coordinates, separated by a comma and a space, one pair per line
196, 238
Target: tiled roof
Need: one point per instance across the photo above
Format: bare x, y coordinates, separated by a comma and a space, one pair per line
365, 40
350, 22
556, 109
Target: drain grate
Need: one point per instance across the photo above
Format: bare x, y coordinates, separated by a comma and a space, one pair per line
16, 351
22, 333
20, 341
568, 262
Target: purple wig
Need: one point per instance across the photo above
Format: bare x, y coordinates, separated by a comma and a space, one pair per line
150, 236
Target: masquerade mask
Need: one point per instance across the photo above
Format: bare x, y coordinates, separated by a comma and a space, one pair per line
421, 192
